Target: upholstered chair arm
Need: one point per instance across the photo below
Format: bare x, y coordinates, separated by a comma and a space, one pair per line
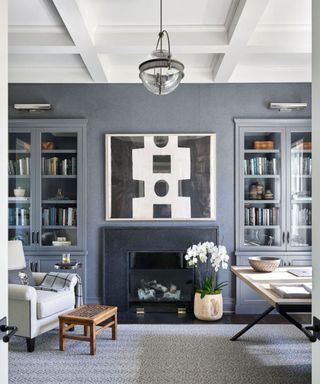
38, 277
23, 309
21, 292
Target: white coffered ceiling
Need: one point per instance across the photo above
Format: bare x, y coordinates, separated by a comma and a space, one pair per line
100, 41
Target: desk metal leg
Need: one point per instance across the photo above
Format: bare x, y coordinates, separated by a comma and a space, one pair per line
245, 329
293, 321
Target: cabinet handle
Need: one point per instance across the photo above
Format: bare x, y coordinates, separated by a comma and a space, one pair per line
36, 268
288, 237
32, 237
283, 237
31, 266
38, 238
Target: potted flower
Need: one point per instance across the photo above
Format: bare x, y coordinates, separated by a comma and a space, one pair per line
207, 258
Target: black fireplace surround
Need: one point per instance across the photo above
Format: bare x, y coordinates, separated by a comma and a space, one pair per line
135, 254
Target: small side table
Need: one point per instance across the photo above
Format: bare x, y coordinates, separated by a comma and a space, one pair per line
68, 266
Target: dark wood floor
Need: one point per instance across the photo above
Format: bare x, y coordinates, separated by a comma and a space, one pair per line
228, 318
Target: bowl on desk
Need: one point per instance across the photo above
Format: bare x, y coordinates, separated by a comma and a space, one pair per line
264, 263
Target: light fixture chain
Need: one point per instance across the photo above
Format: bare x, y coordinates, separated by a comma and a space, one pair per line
161, 33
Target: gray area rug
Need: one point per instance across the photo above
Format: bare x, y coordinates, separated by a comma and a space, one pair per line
162, 354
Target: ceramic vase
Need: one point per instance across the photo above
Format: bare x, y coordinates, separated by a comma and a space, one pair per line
209, 308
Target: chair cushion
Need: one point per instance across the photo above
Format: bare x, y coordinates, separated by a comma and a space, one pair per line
21, 276
49, 303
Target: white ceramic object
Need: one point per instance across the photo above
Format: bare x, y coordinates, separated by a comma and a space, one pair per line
209, 308
19, 192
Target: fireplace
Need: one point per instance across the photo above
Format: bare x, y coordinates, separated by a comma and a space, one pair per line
160, 281
144, 268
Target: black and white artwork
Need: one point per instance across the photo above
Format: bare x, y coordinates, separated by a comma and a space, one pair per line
167, 176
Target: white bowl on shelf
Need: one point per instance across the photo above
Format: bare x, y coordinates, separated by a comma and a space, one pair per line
19, 192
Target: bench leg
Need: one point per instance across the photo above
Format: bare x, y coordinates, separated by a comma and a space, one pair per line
93, 343
61, 335
114, 327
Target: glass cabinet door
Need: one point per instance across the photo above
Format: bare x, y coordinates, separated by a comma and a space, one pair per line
261, 189
59, 189
19, 187
299, 181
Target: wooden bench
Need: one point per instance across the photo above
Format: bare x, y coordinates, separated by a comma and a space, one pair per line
90, 316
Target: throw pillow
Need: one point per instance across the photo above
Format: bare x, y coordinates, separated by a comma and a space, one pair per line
21, 276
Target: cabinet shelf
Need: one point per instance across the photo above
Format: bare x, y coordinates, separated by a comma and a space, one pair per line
261, 176
20, 200
59, 176
261, 226
301, 226
19, 226
50, 151
261, 151
24, 151
262, 201
59, 227
59, 201
19, 176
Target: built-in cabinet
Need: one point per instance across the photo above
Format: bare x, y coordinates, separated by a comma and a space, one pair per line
273, 195
47, 189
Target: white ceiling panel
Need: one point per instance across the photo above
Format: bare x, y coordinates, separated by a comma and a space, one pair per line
20, 60
33, 12
189, 60
146, 12
283, 12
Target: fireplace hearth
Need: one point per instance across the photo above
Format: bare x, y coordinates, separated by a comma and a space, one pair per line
144, 268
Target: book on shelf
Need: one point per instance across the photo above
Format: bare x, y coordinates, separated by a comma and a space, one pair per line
55, 166
19, 167
301, 165
261, 216
19, 216
59, 216
260, 166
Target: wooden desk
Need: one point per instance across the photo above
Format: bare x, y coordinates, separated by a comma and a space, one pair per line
260, 282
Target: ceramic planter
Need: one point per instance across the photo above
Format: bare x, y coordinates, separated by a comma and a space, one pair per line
209, 308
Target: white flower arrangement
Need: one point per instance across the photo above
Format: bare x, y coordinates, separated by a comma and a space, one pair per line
212, 257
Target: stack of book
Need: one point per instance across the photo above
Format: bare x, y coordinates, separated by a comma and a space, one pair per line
55, 166
19, 216
261, 166
292, 290
261, 216
19, 166
59, 216
301, 165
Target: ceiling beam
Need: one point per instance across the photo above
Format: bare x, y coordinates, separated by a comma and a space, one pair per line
74, 22
245, 19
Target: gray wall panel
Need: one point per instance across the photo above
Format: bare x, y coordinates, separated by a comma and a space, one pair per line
122, 108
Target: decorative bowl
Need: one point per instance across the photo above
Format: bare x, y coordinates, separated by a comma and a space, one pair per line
19, 192
264, 263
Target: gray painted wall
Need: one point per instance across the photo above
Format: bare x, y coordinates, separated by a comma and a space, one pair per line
192, 108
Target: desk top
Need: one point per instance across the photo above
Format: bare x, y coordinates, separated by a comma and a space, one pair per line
260, 282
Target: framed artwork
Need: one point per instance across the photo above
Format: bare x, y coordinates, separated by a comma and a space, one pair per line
161, 177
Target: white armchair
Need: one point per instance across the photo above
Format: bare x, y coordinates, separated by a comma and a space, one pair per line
34, 311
